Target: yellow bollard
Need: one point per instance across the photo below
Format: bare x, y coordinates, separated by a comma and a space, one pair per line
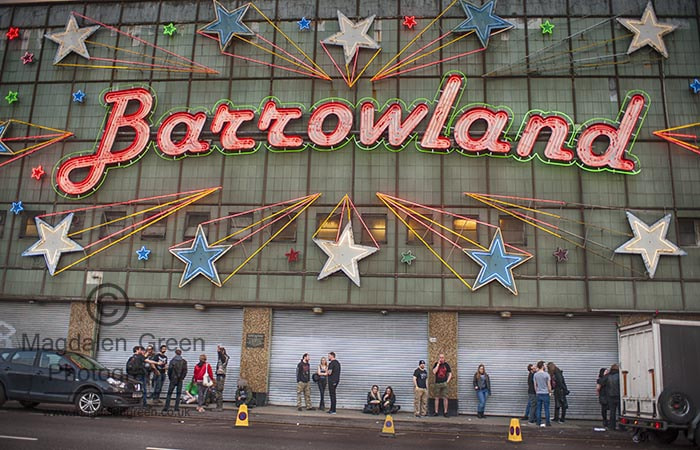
242, 416
515, 433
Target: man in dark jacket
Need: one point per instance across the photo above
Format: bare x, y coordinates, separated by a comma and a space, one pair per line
612, 387
531, 394
560, 392
136, 367
333, 379
303, 382
177, 372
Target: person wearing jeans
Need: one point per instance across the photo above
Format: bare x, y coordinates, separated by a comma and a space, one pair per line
177, 371
543, 389
482, 386
200, 370
531, 395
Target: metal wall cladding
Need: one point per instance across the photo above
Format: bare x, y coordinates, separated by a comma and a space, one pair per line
371, 348
201, 331
22, 323
579, 346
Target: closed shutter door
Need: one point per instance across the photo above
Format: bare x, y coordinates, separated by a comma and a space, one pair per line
196, 332
579, 346
34, 325
371, 348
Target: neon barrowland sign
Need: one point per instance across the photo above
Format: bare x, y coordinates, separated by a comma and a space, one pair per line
232, 130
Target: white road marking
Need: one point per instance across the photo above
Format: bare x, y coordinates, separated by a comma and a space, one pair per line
160, 448
19, 438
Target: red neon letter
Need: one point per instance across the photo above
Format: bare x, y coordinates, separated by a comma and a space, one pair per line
190, 144
276, 119
398, 131
614, 156
556, 146
345, 119
230, 120
432, 139
104, 158
495, 124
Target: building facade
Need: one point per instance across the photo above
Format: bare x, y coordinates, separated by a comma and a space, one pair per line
389, 180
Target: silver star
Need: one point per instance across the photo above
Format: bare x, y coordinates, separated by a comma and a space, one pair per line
352, 36
71, 40
650, 242
53, 241
343, 255
647, 31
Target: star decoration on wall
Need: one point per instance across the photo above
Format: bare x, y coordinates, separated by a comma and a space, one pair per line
292, 255
38, 172
17, 207
4, 149
409, 22
53, 242
27, 58
496, 264
71, 40
169, 29
352, 36
407, 257
650, 242
78, 96
143, 253
200, 258
228, 24
695, 86
344, 255
481, 20
561, 254
304, 24
547, 27
647, 31
12, 33
11, 97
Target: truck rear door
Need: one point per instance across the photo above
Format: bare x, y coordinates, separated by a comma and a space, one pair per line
638, 372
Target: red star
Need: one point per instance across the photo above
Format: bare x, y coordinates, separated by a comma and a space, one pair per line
409, 22
38, 172
12, 33
27, 58
292, 255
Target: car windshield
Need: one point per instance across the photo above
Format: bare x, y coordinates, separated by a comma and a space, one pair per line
84, 362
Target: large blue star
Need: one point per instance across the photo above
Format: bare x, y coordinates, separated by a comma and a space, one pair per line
482, 20
227, 24
496, 264
200, 258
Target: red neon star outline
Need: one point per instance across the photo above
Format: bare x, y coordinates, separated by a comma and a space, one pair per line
12, 33
38, 172
292, 255
409, 22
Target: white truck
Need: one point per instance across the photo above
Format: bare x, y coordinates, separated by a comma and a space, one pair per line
660, 379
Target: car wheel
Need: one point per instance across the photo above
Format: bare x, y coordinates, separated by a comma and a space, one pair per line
665, 436
89, 402
2, 395
28, 404
676, 406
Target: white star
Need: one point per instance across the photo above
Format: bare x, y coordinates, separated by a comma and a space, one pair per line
352, 36
71, 40
650, 242
647, 31
53, 241
343, 255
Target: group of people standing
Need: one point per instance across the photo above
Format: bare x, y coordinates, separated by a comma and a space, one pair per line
543, 382
326, 374
608, 388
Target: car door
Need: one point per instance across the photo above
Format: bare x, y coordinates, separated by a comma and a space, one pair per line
54, 379
19, 373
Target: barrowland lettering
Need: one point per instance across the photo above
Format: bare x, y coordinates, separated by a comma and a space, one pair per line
330, 126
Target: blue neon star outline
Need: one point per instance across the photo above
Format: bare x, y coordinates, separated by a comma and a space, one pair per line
496, 264
79, 96
4, 149
200, 258
227, 24
695, 86
304, 24
17, 207
143, 253
482, 20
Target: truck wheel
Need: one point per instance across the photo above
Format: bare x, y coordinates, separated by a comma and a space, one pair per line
676, 406
665, 436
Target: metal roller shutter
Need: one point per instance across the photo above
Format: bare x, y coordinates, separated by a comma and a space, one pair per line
579, 346
371, 348
177, 326
25, 322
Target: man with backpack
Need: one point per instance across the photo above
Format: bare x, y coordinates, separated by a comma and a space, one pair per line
177, 371
135, 367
